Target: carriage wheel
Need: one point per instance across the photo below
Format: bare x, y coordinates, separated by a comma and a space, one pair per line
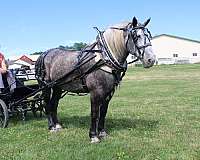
3, 114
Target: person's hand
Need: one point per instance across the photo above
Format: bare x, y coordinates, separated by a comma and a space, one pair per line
3, 71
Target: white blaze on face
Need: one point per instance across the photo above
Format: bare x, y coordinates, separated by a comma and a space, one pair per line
141, 37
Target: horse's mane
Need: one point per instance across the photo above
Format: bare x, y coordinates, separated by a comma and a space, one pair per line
115, 40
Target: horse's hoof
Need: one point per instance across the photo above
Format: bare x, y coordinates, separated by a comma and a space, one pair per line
53, 130
58, 126
103, 134
95, 140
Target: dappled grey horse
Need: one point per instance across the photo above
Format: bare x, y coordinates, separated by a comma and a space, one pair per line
97, 70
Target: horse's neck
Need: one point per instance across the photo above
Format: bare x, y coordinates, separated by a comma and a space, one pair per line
117, 47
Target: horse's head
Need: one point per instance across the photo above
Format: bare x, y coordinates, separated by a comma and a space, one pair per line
138, 42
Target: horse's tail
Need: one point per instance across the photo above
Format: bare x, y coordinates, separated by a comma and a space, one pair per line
40, 70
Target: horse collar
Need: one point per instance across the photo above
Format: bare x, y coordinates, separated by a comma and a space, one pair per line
110, 60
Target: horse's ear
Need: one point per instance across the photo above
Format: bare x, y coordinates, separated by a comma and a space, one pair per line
134, 22
147, 22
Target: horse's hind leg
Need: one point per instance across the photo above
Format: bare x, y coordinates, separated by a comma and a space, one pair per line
51, 110
46, 96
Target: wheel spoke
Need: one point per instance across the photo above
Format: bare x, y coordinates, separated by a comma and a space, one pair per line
1, 120
1, 112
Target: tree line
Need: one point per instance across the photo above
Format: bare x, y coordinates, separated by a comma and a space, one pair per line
76, 46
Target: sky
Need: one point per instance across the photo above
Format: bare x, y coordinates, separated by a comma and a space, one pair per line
28, 26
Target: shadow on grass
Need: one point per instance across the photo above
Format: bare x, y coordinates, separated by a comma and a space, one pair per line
111, 123
16, 119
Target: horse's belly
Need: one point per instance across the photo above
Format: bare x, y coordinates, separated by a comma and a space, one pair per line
75, 87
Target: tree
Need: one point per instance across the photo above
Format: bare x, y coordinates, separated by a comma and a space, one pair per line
62, 47
76, 46
79, 46
36, 53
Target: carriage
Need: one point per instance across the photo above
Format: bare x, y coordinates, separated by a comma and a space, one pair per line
23, 99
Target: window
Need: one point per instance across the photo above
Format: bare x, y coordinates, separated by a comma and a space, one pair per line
175, 55
194, 54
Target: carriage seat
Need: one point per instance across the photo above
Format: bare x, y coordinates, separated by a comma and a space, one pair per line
3, 83
7, 82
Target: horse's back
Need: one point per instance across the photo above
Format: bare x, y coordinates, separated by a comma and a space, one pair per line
56, 63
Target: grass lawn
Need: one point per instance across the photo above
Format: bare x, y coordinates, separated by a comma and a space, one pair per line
154, 115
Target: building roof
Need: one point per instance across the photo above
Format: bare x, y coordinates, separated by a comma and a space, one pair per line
26, 59
177, 37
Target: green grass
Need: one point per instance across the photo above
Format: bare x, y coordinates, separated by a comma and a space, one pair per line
154, 115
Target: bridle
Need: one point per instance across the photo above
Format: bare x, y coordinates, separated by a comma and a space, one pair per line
131, 32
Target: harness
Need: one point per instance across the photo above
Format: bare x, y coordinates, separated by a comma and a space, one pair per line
107, 59
83, 55
119, 69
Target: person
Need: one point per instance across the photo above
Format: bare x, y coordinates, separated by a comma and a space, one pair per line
3, 73
3, 64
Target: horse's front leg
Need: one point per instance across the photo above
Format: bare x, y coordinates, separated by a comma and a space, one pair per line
103, 112
96, 103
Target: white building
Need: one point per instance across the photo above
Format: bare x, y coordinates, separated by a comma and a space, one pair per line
175, 50
21, 61
18, 64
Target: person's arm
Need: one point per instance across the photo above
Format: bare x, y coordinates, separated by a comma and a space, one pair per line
3, 68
